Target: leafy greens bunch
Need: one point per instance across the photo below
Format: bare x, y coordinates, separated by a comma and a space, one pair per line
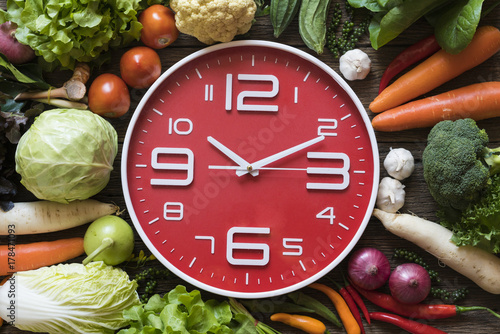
68, 31
454, 21
181, 311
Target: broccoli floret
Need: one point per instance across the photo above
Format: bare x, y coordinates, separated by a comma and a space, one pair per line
458, 164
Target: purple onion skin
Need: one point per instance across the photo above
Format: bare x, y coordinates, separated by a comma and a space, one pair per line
368, 268
15, 52
410, 283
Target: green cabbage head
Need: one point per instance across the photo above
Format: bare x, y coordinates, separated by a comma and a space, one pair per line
66, 155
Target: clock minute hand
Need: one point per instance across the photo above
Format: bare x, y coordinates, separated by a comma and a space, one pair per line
270, 159
230, 154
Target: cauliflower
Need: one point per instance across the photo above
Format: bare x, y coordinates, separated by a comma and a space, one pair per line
213, 21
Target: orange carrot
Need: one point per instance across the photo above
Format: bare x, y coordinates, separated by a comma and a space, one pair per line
21, 257
438, 69
477, 101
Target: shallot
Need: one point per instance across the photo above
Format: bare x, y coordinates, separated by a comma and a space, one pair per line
410, 283
368, 268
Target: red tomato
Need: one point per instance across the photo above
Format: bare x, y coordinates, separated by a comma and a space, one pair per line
158, 27
109, 96
140, 67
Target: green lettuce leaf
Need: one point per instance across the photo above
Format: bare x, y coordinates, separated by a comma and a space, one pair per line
70, 31
69, 298
180, 312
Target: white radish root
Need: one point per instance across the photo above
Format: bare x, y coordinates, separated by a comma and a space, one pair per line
479, 266
46, 216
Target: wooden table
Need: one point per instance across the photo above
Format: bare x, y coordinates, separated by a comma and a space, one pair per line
418, 199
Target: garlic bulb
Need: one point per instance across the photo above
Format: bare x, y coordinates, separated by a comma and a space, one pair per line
355, 65
391, 195
399, 163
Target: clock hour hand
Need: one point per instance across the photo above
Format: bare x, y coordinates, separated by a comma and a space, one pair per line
270, 159
231, 155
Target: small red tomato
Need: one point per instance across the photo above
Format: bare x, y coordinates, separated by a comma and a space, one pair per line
158, 27
140, 67
109, 96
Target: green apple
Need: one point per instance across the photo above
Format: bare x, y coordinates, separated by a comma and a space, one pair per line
109, 239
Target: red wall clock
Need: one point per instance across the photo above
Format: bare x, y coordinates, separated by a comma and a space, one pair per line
250, 169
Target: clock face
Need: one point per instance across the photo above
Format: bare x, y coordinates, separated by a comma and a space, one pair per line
250, 169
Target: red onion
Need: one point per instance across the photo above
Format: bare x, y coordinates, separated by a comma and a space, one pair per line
15, 52
368, 268
410, 283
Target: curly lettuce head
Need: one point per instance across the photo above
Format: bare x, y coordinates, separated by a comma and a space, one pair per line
66, 155
69, 31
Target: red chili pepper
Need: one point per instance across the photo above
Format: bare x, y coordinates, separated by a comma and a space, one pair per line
414, 53
411, 326
352, 306
357, 298
417, 311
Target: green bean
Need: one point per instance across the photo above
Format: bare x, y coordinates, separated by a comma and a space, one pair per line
312, 23
282, 12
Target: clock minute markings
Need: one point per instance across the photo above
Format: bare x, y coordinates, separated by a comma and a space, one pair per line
198, 73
